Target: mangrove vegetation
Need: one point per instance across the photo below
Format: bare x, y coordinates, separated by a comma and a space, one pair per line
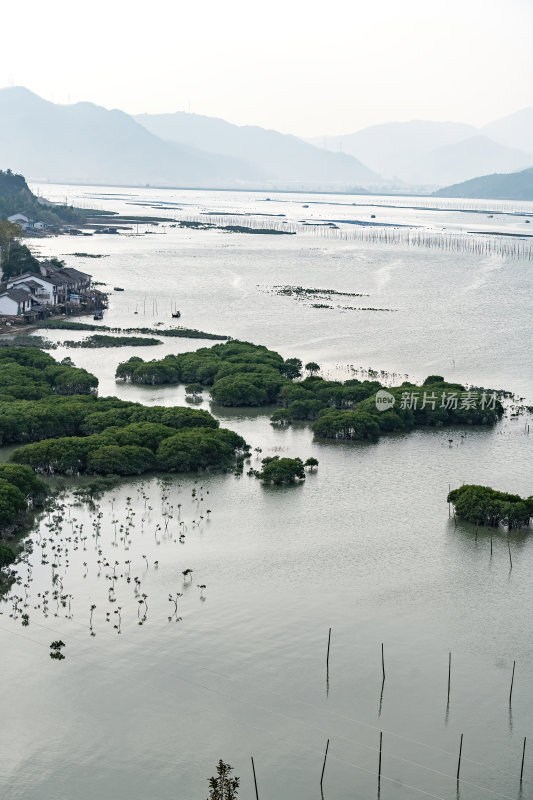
52, 409
278, 471
243, 374
485, 506
180, 333
104, 340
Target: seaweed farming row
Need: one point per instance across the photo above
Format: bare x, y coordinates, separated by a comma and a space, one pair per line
476, 244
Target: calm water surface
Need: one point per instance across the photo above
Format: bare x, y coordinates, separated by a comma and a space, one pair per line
365, 546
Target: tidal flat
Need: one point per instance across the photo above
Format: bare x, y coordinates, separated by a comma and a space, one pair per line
177, 676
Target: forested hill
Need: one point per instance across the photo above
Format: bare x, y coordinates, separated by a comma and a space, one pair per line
15, 185
17, 198
15, 194
505, 186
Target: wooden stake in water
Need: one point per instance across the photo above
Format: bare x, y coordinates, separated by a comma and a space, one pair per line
512, 682
327, 656
255, 779
449, 673
380, 749
460, 753
324, 764
523, 756
491, 545
382, 661
509, 548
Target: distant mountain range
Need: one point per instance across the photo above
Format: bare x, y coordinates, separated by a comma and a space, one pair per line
436, 153
85, 143
515, 130
513, 186
281, 157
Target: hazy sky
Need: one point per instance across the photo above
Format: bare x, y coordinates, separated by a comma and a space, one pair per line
308, 68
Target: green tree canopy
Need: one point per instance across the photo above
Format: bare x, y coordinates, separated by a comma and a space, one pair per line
278, 470
199, 448
117, 460
483, 505
12, 504
25, 480
312, 367
7, 556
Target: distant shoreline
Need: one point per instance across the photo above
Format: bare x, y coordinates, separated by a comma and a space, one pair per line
359, 193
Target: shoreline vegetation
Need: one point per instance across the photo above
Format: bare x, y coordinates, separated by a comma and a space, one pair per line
485, 506
53, 411
241, 374
185, 333
103, 340
21, 491
22, 496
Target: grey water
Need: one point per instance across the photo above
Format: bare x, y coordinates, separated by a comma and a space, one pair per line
365, 546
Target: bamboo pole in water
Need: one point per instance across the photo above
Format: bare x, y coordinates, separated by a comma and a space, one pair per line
255, 779
460, 754
463, 242
324, 764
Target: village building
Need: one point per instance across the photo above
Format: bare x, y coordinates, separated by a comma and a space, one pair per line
27, 224
67, 280
34, 294
19, 219
15, 302
43, 290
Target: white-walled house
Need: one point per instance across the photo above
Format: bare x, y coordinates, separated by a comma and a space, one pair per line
46, 295
20, 219
27, 224
14, 302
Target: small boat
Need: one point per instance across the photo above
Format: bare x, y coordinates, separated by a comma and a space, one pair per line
176, 314
117, 289
98, 315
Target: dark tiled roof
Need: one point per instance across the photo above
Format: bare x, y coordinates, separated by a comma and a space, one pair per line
23, 275
18, 295
55, 274
76, 274
57, 281
32, 284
